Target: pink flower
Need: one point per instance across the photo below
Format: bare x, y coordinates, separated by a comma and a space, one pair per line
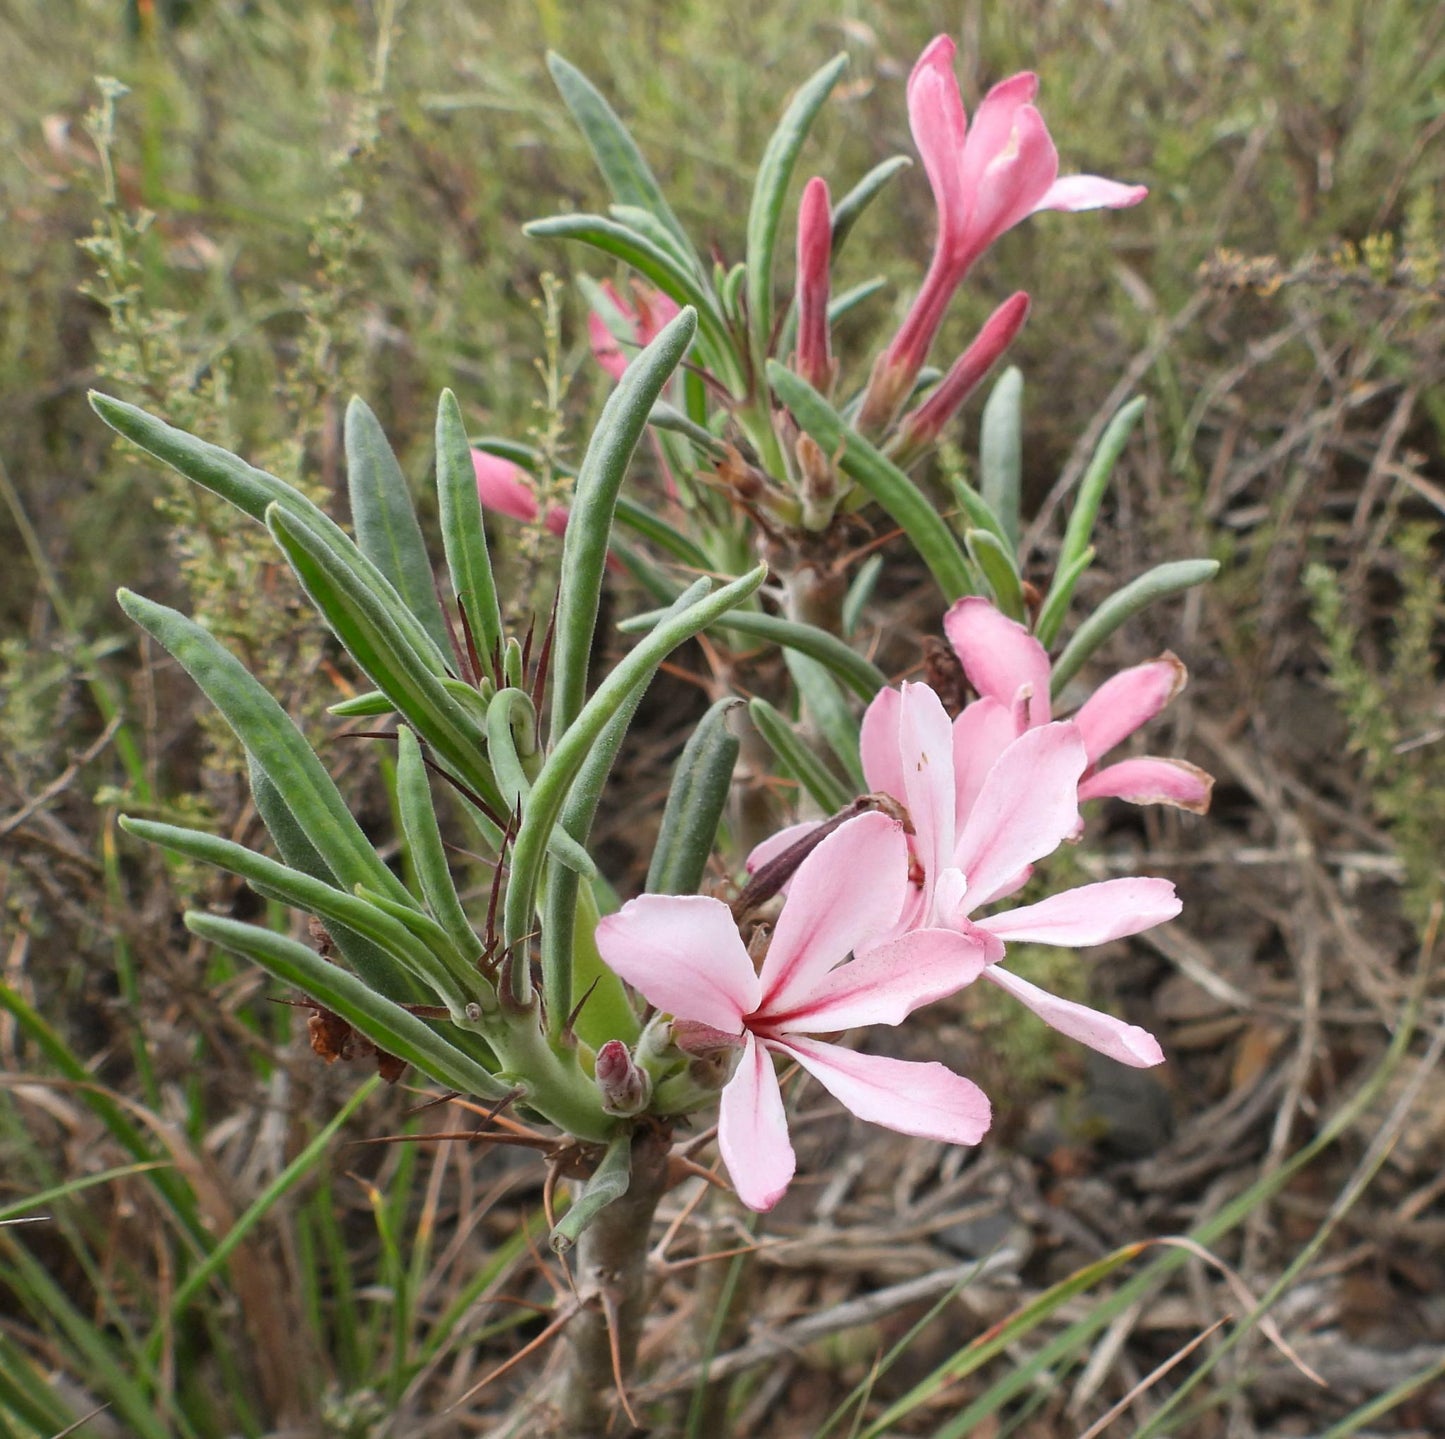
977, 838
814, 360
686, 957
1011, 672
636, 325
984, 181
924, 425
507, 489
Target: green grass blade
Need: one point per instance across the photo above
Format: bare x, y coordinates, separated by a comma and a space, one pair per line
770, 192
905, 503
623, 167
387, 1025
388, 532
1095, 482
1001, 452
827, 791
701, 783
1159, 583
584, 550
464, 536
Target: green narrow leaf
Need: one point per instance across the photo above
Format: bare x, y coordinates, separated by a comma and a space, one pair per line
848, 300
770, 190
430, 956
850, 208
1001, 458
1159, 583
387, 1025
388, 532
701, 783
608, 1182
622, 165
424, 841
372, 962
464, 537
909, 508
651, 228
825, 789
861, 676
860, 592
365, 622
645, 522
363, 706
1096, 481
1056, 605
550, 789
271, 737
252, 491
975, 509
825, 708
996, 564
584, 549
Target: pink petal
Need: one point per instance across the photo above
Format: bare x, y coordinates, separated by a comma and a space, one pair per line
1027, 807
939, 124
815, 250
1090, 914
1150, 780
1014, 180
1130, 699
878, 744
778, 844
925, 745
684, 955
845, 895
999, 655
885, 985
1125, 1042
752, 1130
605, 347
557, 520
1090, 192
504, 487
993, 126
980, 734
923, 1099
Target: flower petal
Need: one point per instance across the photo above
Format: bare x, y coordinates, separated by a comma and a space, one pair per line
878, 744
1015, 180
752, 1130
1090, 192
683, 953
885, 985
925, 747
1151, 780
1090, 914
504, 487
928, 1100
1027, 807
939, 124
846, 894
993, 126
981, 734
999, 655
1125, 1042
1130, 699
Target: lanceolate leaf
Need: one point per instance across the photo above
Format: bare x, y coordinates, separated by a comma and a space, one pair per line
623, 168
584, 549
1158, 584
848, 210
387, 530
645, 522
275, 743
826, 709
996, 564
549, 791
252, 491
770, 191
1056, 606
387, 1025
1001, 452
1096, 481
463, 535
609, 1182
909, 508
701, 783
825, 789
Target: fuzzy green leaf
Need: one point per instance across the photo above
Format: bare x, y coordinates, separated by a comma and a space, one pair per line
996, 564
701, 783
827, 710
826, 790
1001, 452
608, 1182
1096, 481
850, 208
1056, 604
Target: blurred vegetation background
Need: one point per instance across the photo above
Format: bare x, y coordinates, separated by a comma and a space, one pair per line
239, 212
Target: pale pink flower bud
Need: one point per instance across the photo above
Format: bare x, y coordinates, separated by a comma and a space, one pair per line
813, 360
507, 489
625, 1089
637, 325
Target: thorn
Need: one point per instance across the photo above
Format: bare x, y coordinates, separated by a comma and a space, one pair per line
614, 1344
577, 1008
563, 1318
491, 1115
527, 644
456, 648
428, 1011
474, 659
544, 666
431, 1103
460, 788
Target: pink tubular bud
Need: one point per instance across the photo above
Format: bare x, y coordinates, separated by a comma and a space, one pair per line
814, 362
924, 425
507, 489
625, 1089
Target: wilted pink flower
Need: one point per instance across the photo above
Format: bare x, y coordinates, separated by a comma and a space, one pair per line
984, 180
637, 324
1010, 670
814, 360
686, 957
924, 425
507, 489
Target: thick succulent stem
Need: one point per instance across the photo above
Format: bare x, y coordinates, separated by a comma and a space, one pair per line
611, 1277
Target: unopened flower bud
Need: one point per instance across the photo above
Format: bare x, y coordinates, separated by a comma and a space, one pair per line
625, 1089
813, 360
